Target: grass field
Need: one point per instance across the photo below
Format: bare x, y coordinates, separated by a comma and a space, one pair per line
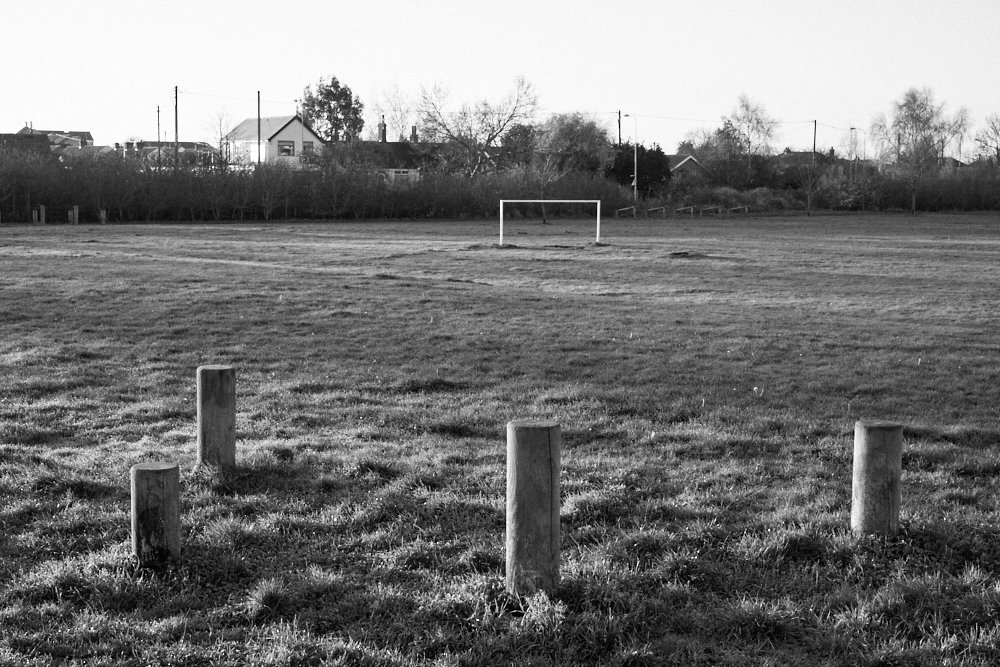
707, 375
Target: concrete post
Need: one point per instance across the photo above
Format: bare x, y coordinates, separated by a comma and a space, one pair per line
875, 490
34, 216
41, 214
156, 522
76, 214
217, 416
533, 450
104, 216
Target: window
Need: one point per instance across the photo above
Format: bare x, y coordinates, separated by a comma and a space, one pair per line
286, 148
307, 147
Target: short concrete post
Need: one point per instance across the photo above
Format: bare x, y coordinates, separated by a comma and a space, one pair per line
875, 491
217, 416
76, 214
104, 216
156, 512
532, 506
34, 216
41, 214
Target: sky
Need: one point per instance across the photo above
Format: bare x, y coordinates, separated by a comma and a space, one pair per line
676, 67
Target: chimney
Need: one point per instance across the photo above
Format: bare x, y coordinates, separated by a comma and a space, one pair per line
381, 130
413, 134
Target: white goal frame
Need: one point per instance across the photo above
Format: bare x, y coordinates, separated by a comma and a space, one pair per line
552, 201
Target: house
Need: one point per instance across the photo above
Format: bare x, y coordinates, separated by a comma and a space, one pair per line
190, 153
74, 138
396, 163
282, 140
685, 166
60, 143
949, 164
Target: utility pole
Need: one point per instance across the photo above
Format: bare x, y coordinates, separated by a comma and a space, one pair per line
159, 142
258, 127
814, 143
176, 133
619, 127
635, 156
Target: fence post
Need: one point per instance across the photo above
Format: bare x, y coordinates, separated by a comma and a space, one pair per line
76, 214
217, 416
533, 450
875, 490
156, 522
104, 216
41, 214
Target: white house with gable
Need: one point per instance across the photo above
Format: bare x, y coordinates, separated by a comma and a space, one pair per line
282, 139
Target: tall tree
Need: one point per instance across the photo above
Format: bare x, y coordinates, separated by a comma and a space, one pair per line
475, 130
573, 142
988, 139
755, 130
722, 153
566, 143
915, 135
653, 167
332, 110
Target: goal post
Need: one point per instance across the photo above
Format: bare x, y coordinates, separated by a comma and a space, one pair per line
552, 201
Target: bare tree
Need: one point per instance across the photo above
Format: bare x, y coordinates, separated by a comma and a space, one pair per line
915, 135
218, 126
988, 139
755, 128
400, 115
475, 129
396, 109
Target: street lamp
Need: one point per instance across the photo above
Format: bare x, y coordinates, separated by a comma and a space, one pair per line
635, 156
864, 145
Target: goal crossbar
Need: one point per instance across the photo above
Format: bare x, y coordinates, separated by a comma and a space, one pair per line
552, 201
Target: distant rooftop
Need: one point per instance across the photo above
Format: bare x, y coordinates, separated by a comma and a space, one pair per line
269, 126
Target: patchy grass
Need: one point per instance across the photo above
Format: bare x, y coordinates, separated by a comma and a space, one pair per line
706, 374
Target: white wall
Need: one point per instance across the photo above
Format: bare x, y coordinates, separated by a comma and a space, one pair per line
296, 133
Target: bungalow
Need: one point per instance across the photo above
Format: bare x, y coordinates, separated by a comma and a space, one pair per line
396, 163
282, 139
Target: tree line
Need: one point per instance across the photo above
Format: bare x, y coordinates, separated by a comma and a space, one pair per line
477, 153
132, 191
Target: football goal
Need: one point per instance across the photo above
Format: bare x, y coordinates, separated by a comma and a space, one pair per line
552, 201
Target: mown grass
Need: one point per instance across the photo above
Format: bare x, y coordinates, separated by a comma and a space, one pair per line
706, 375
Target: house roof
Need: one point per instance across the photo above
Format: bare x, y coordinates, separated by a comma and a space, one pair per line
684, 163
269, 126
80, 135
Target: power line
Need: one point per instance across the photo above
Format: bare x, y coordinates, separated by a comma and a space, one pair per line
232, 97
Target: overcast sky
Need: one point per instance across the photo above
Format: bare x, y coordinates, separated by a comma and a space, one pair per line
677, 65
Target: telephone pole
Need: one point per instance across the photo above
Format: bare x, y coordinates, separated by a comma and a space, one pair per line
814, 143
176, 133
